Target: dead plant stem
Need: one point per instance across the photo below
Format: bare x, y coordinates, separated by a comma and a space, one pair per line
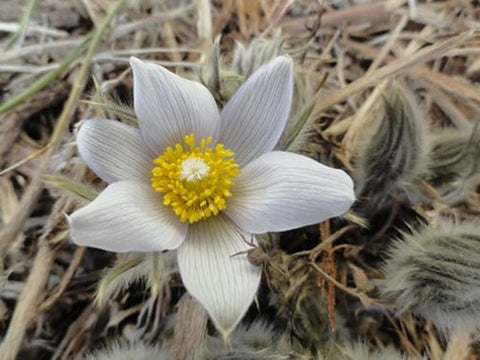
190, 330
364, 299
20, 33
72, 268
392, 69
27, 302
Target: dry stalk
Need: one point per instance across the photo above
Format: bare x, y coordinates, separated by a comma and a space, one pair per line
81, 324
19, 35
25, 309
37, 49
326, 241
360, 119
394, 68
447, 83
364, 299
376, 12
277, 15
403, 335
124, 29
27, 302
242, 19
169, 36
388, 45
447, 105
67, 277
422, 73
458, 347
204, 25
222, 19
190, 332
328, 264
10, 230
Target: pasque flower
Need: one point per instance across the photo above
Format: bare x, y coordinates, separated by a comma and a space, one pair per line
203, 182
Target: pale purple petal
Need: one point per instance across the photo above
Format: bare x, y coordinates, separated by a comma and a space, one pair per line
281, 191
127, 216
254, 119
214, 272
114, 151
169, 107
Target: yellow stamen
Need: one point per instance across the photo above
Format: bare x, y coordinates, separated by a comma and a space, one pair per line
195, 180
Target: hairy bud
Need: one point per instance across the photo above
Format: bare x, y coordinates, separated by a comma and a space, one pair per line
435, 272
137, 351
395, 152
455, 162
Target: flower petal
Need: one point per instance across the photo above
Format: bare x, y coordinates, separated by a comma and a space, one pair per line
222, 280
254, 119
114, 151
280, 191
127, 216
169, 107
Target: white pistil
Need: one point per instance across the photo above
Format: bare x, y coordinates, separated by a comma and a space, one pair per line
193, 169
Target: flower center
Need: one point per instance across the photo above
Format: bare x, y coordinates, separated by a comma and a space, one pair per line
195, 180
193, 169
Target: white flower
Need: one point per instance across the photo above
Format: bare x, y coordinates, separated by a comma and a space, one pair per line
216, 181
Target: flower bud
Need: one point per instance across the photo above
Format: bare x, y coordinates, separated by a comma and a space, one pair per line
137, 351
435, 273
455, 163
395, 152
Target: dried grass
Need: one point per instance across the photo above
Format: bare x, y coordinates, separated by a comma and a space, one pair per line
349, 50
